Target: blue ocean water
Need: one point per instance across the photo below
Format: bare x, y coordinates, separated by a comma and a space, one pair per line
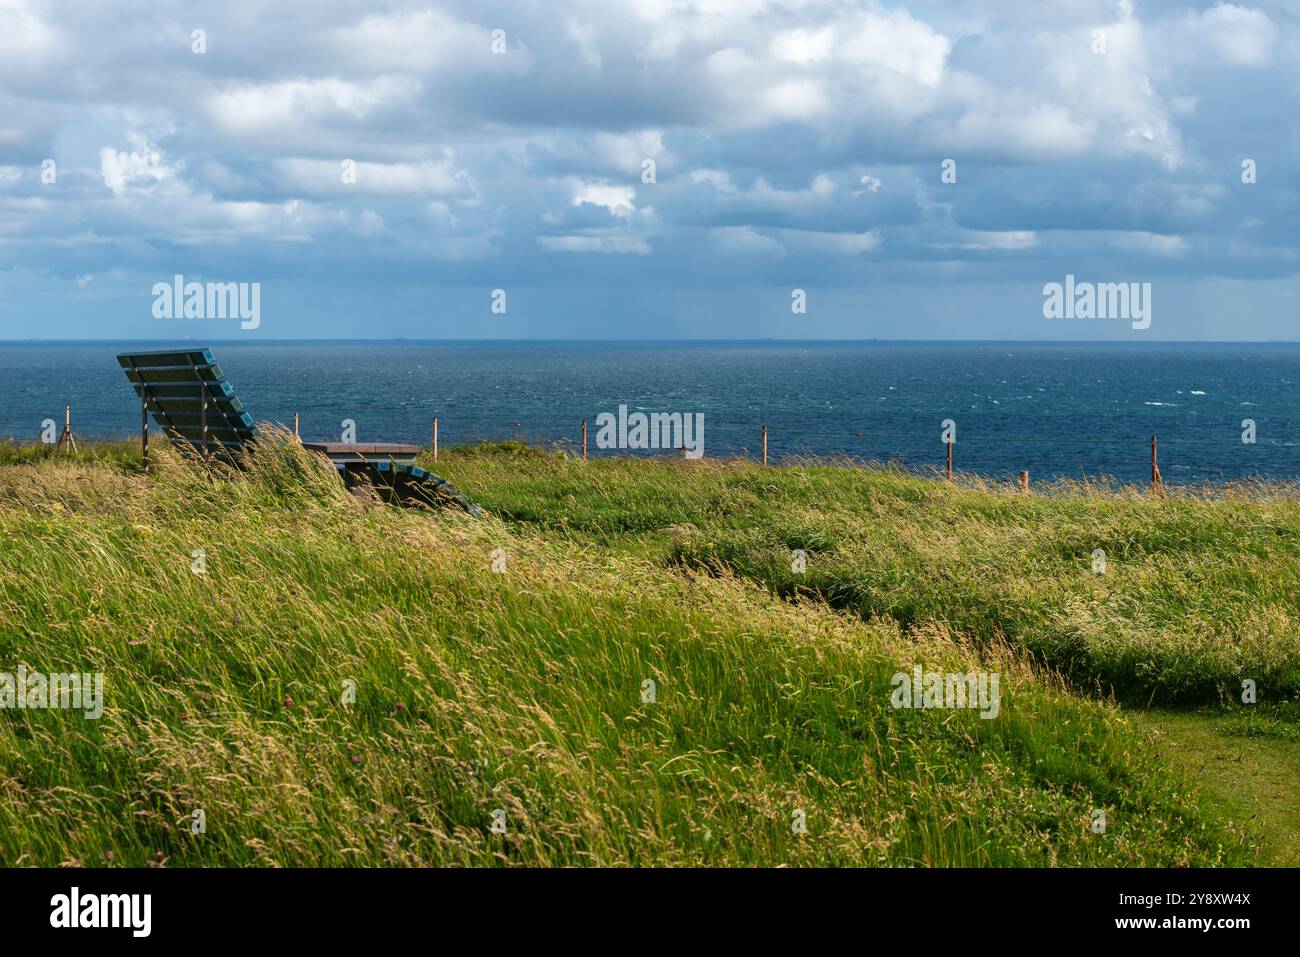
1054, 409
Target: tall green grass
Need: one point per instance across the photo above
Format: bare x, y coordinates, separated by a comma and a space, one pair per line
519, 691
124, 454
1199, 591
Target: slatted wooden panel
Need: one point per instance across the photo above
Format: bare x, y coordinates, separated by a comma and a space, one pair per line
217, 433
174, 384
184, 390
237, 421
208, 374
228, 405
369, 451
153, 360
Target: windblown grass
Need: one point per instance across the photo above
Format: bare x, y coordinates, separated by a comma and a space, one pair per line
124, 454
522, 691
1199, 591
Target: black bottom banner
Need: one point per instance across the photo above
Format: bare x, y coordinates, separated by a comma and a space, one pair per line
338, 906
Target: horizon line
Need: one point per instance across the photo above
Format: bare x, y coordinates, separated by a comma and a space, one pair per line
631, 341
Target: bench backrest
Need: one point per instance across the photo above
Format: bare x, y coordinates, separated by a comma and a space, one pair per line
175, 386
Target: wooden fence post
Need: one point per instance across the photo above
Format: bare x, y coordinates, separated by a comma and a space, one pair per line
295, 427
584, 440
765, 445
67, 431
1024, 482
949, 461
435, 438
144, 428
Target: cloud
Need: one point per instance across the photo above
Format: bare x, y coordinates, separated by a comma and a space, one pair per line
438, 177
627, 151
719, 179
839, 244
583, 36
144, 164
745, 241
1242, 36
369, 223
27, 42
990, 240
804, 46
595, 244
289, 110
1152, 244
897, 42
617, 199
764, 198
428, 41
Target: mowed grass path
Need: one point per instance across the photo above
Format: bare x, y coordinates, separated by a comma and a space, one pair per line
524, 690
1248, 775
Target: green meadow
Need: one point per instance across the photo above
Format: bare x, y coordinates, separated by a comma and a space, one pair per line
623, 664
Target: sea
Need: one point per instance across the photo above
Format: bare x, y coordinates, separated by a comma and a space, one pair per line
1220, 412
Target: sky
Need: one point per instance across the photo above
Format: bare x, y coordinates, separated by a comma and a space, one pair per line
649, 169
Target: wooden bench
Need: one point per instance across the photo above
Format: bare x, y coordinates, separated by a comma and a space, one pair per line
188, 396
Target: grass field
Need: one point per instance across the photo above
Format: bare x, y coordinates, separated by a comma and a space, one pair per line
620, 665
